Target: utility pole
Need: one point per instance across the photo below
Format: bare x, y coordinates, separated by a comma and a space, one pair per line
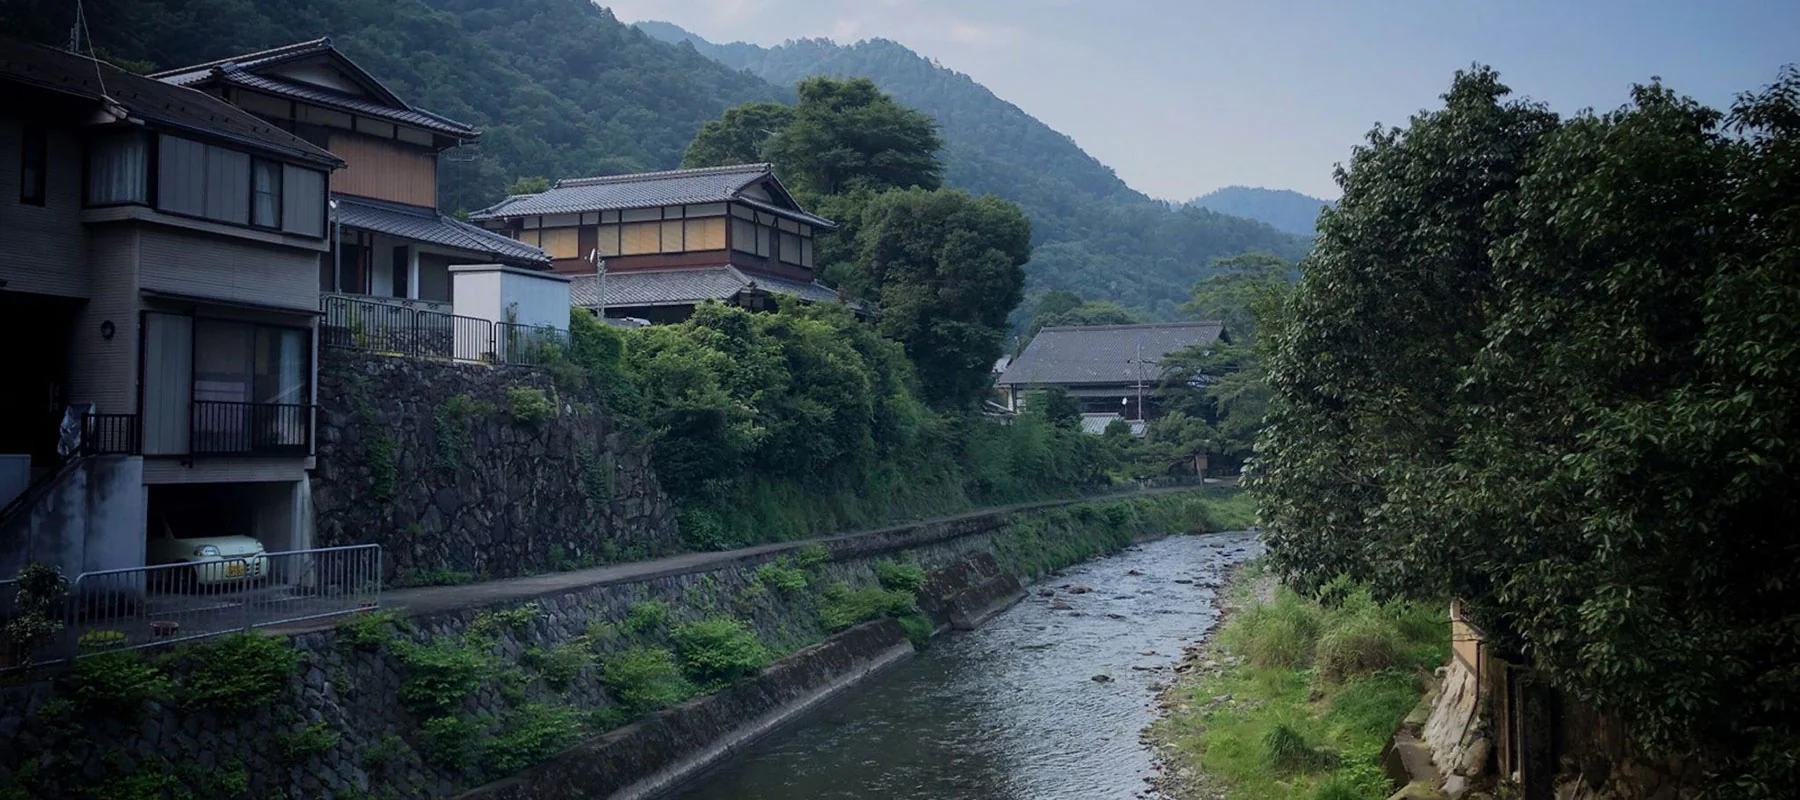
600, 281
1138, 366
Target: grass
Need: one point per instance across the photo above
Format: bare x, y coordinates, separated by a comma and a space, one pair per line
1307, 695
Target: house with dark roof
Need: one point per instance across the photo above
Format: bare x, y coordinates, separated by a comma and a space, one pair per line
391, 241
1112, 369
654, 245
159, 293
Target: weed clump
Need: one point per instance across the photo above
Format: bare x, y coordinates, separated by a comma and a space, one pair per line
718, 651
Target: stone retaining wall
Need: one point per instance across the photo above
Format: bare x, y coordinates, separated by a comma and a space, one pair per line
432, 461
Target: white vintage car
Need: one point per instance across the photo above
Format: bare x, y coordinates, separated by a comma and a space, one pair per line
215, 559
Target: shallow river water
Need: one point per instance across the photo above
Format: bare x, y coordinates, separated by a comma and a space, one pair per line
1010, 711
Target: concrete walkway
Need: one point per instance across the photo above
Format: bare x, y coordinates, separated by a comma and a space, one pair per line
428, 600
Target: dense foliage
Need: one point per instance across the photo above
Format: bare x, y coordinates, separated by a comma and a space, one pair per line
1094, 235
1552, 366
559, 87
1285, 209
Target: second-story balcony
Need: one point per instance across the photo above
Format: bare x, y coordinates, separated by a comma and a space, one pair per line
250, 429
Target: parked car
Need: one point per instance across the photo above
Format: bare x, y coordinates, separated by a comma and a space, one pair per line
216, 559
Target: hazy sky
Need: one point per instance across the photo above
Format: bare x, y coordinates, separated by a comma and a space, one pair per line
1184, 96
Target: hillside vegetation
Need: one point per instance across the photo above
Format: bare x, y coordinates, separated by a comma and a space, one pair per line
1285, 209
1094, 235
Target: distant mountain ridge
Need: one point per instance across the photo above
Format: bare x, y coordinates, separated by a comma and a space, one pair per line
1094, 234
1285, 209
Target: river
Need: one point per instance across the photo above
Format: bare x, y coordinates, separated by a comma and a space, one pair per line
1013, 710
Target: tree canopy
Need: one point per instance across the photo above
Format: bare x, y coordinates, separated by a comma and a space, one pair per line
1552, 367
737, 137
847, 134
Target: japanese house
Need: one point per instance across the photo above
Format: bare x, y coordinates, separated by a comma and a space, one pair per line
393, 244
1112, 369
159, 290
671, 240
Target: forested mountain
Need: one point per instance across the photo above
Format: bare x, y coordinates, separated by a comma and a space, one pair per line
1095, 236
559, 87
1285, 209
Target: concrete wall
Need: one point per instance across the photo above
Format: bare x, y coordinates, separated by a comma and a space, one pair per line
105, 371
92, 519
510, 294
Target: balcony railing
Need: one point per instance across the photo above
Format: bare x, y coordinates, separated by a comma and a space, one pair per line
111, 435
383, 327
254, 429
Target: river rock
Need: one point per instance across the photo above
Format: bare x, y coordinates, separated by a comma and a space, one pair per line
1102, 679
1046, 593
1133, 572
1081, 590
1116, 616
1058, 605
1183, 580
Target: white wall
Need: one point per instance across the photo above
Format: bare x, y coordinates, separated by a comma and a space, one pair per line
490, 292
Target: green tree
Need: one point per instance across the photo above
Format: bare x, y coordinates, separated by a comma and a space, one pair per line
738, 136
1552, 367
945, 269
1055, 406
529, 185
847, 134
1231, 293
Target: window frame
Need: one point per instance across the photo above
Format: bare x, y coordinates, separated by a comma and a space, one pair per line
279, 225
33, 173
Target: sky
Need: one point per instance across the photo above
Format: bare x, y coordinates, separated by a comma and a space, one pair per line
1181, 97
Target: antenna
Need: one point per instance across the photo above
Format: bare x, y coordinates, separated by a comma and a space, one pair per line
76, 32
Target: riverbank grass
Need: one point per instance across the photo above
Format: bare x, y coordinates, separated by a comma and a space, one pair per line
1296, 698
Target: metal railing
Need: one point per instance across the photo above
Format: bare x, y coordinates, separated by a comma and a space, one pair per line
529, 344
138, 607
384, 327
225, 428
111, 435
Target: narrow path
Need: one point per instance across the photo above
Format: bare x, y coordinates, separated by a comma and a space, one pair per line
426, 600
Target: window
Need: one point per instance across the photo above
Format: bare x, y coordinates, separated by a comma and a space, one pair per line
562, 242
743, 235
641, 238
806, 252
762, 240
116, 171
265, 194
608, 238
302, 200
671, 236
34, 161
706, 234
790, 248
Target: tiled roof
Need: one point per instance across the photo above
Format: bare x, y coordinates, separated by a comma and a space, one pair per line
242, 70
405, 115
426, 226
154, 101
1104, 353
680, 287
644, 190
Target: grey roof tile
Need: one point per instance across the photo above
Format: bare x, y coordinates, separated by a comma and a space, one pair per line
679, 287
1104, 353
407, 115
155, 101
645, 190
427, 226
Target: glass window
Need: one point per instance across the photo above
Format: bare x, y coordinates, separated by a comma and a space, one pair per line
302, 200
790, 248
743, 235
227, 185
281, 365
671, 237
640, 238
265, 194
706, 234
117, 166
608, 240
762, 239
562, 242
34, 160
806, 252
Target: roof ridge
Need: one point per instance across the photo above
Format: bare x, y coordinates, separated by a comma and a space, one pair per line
1133, 326
600, 180
270, 52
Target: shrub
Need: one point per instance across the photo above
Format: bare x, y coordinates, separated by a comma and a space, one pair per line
438, 577
841, 607
781, 577
899, 577
445, 742
812, 556
313, 740
561, 664
237, 672
493, 621
718, 651
441, 673
383, 752
918, 629
528, 736
1356, 642
1288, 752
1281, 633
368, 630
644, 679
646, 616
529, 406
117, 685
38, 591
